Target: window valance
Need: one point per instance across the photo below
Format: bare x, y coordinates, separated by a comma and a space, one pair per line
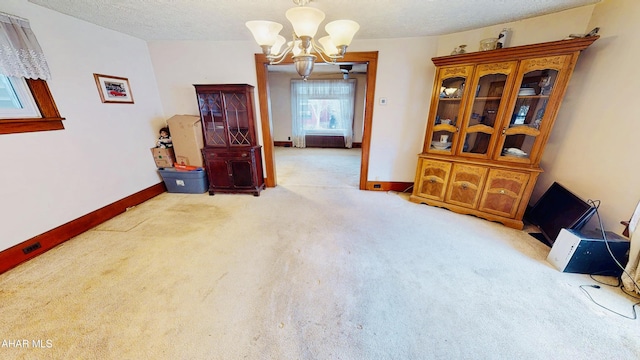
20, 52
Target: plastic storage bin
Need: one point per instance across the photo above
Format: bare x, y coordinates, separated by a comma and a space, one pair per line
192, 182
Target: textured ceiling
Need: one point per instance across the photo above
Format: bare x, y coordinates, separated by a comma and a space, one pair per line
224, 19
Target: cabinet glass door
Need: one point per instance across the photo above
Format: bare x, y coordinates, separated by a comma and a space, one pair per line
448, 106
212, 119
237, 119
482, 120
529, 118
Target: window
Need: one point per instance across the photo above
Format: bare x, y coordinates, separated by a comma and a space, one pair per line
26, 103
46, 116
322, 107
15, 99
323, 114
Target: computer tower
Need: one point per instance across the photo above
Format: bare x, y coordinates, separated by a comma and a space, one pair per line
585, 252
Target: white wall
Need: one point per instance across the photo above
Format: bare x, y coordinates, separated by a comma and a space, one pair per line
539, 29
181, 64
360, 103
404, 78
280, 94
593, 149
50, 178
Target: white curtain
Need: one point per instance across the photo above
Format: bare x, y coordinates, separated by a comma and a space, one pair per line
322, 107
631, 272
20, 53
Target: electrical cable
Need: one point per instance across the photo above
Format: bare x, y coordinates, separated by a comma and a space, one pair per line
606, 242
633, 307
402, 192
604, 283
620, 285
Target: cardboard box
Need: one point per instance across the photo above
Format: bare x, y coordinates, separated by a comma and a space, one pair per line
186, 134
163, 157
192, 182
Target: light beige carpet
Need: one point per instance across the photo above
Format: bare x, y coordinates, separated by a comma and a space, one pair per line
308, 270
318, 167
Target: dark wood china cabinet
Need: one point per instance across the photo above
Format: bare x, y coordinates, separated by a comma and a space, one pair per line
232, 156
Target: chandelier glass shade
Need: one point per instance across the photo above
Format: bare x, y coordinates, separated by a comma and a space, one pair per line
303, 46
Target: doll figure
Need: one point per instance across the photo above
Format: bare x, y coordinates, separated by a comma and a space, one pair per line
164, 141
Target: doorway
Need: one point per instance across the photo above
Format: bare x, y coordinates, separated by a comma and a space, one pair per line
368, 58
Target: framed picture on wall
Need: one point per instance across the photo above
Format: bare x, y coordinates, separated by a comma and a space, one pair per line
113, 89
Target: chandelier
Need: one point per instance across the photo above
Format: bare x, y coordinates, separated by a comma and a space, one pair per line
305, 22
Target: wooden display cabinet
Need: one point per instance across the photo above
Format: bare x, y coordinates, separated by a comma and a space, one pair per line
490, 118
232, 156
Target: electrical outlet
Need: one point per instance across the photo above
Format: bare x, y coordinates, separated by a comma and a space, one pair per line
31, 248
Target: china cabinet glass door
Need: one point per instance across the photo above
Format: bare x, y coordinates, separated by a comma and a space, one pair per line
487, 108
212, 119
448, 106
533, 95
237, 119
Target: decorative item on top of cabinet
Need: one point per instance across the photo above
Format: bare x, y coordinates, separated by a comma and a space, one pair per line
232, 156
490, 118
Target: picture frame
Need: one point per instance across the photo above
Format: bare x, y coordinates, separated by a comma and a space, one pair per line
113, 89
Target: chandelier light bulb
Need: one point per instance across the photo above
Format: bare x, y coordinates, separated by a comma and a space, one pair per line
305, 20
264, 32
342, 31
328, 46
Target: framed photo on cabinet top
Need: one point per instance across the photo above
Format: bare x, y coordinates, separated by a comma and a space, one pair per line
113, 89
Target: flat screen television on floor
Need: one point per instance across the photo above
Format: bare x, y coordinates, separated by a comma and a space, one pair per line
559, 208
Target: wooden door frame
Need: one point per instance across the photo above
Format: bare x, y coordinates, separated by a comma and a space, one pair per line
369, 57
